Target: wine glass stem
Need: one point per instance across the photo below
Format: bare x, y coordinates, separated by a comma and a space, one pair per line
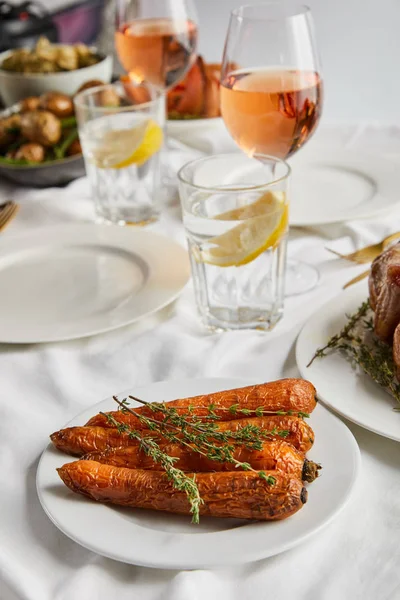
165, 151
167, 172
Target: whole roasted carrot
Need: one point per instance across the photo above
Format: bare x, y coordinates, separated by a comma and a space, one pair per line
78, 441
236, 494
277, 455
284, 395
81, 440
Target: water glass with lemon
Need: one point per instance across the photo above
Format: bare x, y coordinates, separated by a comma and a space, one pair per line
121, 132
235, 213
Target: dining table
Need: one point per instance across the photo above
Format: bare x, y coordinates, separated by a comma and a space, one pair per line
43, 386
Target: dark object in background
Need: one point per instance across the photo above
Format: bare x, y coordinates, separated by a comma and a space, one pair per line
80, 22
22, 25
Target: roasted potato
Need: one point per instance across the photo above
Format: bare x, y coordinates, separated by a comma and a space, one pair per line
59, 104
49, 58
45, 50
30, 103
75, 148
90, 84
31, 152
15, 61
67, 58
9, 129
41, 126
108, 97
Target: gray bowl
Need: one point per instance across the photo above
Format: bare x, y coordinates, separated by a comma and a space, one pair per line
50, 174
14, 87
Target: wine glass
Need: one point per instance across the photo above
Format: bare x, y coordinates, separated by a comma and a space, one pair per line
271, 91
156, 42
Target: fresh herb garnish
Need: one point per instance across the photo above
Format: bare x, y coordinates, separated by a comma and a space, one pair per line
362, 347
68, 122
61, 149
190, 431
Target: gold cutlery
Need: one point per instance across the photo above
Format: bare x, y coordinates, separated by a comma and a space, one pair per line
7, 213
359, 277
367, 254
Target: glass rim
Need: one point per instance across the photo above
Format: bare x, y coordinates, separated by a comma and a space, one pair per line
234, 188
286, 12
79, 99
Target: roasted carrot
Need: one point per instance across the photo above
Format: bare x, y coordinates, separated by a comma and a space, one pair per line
277, 455
81, 440
237, 494
295, 395
78, 441
299, 432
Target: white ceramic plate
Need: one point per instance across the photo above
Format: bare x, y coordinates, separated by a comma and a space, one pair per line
67, 282
179, 127
330, 186
188, 131
167, 541
353, 395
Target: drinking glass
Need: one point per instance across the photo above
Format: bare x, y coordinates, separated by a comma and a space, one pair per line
121, 140
235, 214
271, 90
156, 43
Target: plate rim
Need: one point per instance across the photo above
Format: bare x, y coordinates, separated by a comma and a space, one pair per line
342, 154
354, 292
170, 563
10, 243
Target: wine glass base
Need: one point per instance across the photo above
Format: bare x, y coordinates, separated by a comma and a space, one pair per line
300, 278
169, 186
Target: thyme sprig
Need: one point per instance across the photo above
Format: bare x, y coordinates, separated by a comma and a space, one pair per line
179, 479
250, 435
363, 348
234, 409
198, 437
195, 434
341, 340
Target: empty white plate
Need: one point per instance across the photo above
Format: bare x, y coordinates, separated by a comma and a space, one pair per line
335, 185
167, 541
67, 282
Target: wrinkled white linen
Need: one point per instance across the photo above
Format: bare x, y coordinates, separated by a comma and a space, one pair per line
45, 385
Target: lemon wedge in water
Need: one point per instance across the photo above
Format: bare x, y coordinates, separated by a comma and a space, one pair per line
268, 203
265, 223
121, 148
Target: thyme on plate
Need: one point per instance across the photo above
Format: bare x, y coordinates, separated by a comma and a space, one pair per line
179, 479
341, 340
363, 348
192, 432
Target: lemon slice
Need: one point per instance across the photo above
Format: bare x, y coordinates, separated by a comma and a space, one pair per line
268, 203
121, 148
244, 243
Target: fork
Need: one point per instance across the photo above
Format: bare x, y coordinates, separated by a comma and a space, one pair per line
7, 212
367, 254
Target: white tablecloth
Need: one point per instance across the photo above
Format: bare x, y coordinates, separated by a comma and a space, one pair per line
43, 386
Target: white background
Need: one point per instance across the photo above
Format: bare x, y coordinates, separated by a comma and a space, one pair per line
359, 42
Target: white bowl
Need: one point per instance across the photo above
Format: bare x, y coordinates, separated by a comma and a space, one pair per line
17, 86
